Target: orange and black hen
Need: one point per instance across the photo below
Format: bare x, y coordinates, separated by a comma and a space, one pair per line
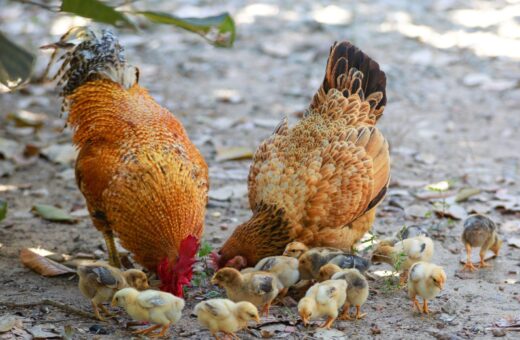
141, 176
319, 181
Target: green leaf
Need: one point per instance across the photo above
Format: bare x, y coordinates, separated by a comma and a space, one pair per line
3, 209
218, 29
205, 249
15, 63
95, 10
51, 213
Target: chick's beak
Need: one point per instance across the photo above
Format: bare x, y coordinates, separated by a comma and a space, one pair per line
114, 303
305, 320
257, 319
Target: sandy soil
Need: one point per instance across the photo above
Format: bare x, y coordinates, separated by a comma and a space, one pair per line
452, 114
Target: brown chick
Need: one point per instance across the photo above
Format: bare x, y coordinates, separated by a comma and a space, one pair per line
311, 261
320, 181
99, 282
480, 231
259, 288
426, 280
403, 254
295, 249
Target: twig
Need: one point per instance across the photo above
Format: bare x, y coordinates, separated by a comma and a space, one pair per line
39, 4
276, 322
50, 303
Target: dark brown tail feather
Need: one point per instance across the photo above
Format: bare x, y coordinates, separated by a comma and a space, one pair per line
345, 63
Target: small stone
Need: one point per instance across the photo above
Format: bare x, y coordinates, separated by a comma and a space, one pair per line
498, 333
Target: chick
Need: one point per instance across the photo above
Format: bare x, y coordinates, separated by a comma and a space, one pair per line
161, 308
411, 231
295, 249
259, 288
226, 316
426, 280
403, 254
285, 268
99, 282
357, 291
312, 260
323, 299
348, 261
480, 231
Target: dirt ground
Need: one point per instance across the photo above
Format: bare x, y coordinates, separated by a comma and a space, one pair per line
452, 114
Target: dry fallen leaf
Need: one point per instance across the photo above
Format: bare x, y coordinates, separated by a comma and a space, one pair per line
42, 265
233, 153
7, 322
514, 242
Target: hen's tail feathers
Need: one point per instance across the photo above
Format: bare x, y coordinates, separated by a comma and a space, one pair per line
89, 55
356, 78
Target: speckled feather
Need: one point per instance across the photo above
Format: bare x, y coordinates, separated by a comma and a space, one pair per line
327, 172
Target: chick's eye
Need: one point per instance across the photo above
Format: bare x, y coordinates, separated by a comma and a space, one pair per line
434, 280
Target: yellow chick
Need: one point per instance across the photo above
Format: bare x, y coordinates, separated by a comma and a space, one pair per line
402, 255
285, 268
295, 249
480, 231
226, 316
259, 288
323, 299
312, 260
426, 280
99, 282
357, 291
161, 308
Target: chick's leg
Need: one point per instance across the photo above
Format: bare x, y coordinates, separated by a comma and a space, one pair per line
105, 310
403, 277
359, 315
425, 307
345, 314
416, 304
96, 311
113, 255
265, 309
162, 333
469, 265
482, 254
146, 330
328, 323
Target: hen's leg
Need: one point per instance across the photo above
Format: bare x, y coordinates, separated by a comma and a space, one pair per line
113, 255
469, 265
265, 309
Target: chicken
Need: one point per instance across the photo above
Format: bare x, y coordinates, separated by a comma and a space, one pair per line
142, 178
324, 299
311, 261
319, 182
161, 308
480, 231
403, 254
283, 267
411, 231
226, 316
357, 291
426, 280
99, 282
295, 249
259, 288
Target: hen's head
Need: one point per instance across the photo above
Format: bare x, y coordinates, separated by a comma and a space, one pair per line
218, 261
175, 275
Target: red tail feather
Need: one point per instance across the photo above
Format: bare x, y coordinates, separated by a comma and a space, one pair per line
174, 278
